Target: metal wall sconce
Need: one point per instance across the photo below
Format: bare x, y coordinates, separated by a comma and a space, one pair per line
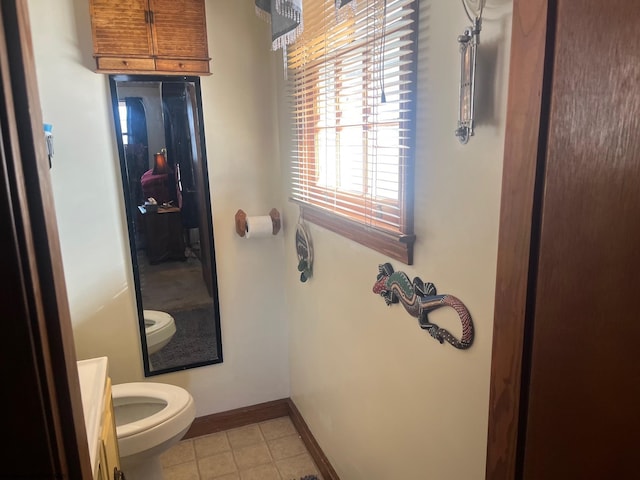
468, 41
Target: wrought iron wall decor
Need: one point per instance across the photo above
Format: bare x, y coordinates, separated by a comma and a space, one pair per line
420, 298
468, 43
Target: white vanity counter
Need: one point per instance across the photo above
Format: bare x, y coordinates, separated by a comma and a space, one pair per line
93, 381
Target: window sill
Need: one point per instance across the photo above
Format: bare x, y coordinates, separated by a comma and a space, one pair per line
397, 246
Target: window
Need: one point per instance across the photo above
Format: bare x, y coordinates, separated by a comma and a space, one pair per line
124, 121
352, 79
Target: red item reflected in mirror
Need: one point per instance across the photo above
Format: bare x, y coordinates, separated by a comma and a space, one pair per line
157, 182
160, 164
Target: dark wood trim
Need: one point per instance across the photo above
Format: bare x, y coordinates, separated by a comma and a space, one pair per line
320, 459
396, 246
262, 412
521, 153
50, 415
238, 417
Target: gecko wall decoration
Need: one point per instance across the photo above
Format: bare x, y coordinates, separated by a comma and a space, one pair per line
420, 298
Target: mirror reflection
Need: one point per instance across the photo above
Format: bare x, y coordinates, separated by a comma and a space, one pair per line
166, 192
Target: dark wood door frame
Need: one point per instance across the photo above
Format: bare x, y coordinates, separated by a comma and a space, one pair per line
524, 148
43, 407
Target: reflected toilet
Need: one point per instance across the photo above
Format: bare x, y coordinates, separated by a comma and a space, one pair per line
150, 419
159, 328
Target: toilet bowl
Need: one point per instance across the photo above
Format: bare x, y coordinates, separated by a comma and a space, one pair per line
159, 328
150, 419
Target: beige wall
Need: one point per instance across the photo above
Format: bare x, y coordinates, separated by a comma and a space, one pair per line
383, 399
241, 148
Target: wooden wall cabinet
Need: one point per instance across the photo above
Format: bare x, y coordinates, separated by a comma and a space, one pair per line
150, 36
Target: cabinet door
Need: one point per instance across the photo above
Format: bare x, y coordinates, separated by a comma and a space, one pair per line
121, 27
179, 29
103, 473
108, 436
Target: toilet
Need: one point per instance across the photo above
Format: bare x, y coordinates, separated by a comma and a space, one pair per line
150, 419
159, 328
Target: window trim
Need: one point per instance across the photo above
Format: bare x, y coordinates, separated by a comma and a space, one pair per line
395, 245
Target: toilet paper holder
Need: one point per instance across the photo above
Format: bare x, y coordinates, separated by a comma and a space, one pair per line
241, 222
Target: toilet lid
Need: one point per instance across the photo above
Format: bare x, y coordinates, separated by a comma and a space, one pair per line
176, 399
156, 316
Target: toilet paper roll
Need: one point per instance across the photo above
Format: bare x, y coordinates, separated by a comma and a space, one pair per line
259, 227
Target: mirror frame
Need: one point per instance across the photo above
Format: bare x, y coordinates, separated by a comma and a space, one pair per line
113, 79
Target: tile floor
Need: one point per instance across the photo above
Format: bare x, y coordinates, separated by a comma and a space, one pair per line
270, 450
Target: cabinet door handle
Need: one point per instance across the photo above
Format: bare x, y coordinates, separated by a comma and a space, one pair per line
151, 16
118, 474
146, 16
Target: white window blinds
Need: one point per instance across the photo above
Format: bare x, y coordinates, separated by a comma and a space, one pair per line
352, 79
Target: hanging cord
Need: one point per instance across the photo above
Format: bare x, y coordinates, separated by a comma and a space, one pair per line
477, 14
383, 97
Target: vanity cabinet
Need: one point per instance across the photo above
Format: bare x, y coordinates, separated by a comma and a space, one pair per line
99, 418
150, 36
109, 463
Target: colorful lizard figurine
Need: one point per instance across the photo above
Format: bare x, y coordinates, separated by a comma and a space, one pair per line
420, 298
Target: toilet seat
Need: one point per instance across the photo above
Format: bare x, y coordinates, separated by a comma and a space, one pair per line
159, 328
158, 320
175, 398
150, 419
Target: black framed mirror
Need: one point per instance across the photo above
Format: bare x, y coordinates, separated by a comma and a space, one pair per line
160, 135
